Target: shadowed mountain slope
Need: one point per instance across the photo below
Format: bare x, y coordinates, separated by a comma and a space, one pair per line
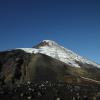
17, 66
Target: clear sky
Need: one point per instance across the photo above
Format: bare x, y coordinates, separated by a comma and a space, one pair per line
75, 24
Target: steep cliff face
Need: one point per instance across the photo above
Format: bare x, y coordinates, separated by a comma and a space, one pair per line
13, 65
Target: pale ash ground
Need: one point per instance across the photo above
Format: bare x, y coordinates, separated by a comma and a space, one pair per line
58, 52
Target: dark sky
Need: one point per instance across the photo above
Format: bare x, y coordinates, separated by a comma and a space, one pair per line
75, 24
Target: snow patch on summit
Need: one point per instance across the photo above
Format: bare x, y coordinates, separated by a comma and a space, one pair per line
56, 51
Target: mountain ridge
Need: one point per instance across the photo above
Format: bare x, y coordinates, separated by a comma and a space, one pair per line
45, 62
17, 66
52, 49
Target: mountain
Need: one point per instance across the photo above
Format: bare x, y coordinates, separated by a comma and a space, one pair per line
47, 61
56, 51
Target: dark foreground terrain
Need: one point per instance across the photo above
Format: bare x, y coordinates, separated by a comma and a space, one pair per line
50, 91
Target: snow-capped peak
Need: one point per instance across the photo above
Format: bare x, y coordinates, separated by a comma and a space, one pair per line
46, 43
52, 49
50, 42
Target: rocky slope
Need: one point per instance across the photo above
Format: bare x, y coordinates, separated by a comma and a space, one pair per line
17, 66
47, 71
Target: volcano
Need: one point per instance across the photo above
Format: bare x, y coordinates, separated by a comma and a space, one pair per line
46, 61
